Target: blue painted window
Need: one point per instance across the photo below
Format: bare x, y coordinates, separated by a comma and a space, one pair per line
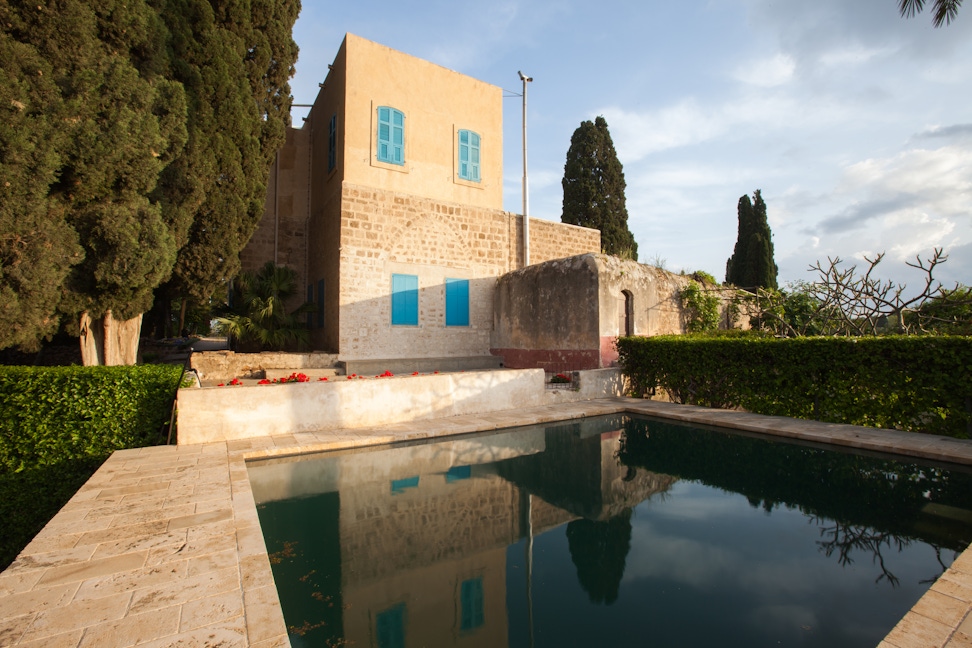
390, 627
457, 302
404, 299
399, 485
391, 135
457, 473
320, 303
469, 155
471, 593
310, 300
332, 143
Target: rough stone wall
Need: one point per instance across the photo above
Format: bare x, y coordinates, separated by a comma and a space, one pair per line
383, 233
566, 314
546, 315
226, 365
382, 533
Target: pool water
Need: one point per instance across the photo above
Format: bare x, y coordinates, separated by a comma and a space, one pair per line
610, 531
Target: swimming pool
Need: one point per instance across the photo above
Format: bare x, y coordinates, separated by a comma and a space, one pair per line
618, 530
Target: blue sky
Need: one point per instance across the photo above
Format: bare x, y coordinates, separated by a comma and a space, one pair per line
855, 123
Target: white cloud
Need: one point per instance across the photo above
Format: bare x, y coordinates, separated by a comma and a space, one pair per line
637, 135
766, 73
853, 56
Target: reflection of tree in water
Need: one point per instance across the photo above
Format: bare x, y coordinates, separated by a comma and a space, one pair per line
599, 551
862, 503
844, 538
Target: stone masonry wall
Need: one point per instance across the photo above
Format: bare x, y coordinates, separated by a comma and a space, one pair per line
383, 233
282, 232
552, 240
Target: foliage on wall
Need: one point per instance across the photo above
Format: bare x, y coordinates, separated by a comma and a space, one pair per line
701, 308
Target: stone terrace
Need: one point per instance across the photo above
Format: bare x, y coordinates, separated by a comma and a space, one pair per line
162, 547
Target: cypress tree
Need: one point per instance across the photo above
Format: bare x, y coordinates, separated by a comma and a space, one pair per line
594, 188
244, 54
37, 246
118, 124
751, 265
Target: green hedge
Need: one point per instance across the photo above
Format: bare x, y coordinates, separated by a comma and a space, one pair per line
57, 426
920, 384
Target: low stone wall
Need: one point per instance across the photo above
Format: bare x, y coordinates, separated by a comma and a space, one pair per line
424, 365
226, 365
228, 413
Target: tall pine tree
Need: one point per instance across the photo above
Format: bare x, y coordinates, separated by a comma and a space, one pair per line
594, 188
751, 265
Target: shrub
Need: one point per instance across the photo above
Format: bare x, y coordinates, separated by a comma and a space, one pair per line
920, 384
57, 426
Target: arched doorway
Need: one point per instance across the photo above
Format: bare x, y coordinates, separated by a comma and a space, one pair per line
625, 313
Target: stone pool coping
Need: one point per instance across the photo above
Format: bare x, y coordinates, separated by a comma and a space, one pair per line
162, 546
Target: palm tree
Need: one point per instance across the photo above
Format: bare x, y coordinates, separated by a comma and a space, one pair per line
944, 10
261, 321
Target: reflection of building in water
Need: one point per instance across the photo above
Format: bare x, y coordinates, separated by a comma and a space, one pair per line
423, 525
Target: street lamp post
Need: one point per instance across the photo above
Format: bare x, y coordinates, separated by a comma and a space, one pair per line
526, 193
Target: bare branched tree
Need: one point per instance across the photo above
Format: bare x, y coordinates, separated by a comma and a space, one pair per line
860, 303
847, 538
848, 301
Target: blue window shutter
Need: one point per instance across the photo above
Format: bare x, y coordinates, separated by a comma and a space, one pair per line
332, 143
310, 300
474, 156
320, 303
471, 595
404, 299
391, 135
457, 302
468, 155
390, 627
399, 485
457, 473
398, 137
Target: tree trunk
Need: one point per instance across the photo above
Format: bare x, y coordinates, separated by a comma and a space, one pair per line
107, 341
182, 317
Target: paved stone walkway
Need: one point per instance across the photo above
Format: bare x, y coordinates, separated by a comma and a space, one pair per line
162, 546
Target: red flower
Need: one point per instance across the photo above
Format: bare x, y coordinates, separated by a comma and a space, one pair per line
264, 382
322, 378
221, 385
414, 373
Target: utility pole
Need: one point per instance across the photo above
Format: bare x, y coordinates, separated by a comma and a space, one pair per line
526, 192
